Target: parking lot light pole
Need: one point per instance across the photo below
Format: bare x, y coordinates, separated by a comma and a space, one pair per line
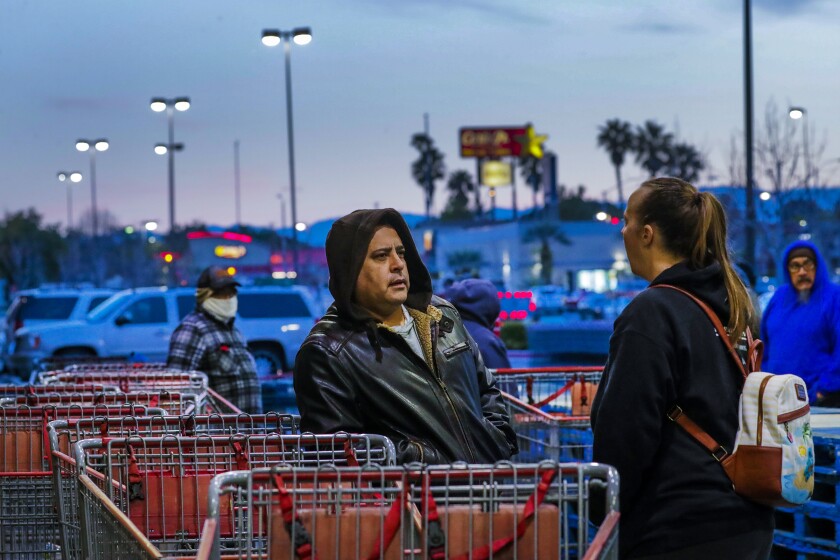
92, 147
271, 38
797, 113
69, 177
158, 105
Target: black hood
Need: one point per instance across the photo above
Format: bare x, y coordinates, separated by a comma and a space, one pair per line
347, 244
706, 283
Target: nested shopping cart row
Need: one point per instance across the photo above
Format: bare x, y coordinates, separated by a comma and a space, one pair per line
161, 483
29, 524
546, 510
28, 517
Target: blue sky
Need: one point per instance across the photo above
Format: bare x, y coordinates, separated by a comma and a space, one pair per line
88, 68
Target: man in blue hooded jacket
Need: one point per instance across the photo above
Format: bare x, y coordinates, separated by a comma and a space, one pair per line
801, 325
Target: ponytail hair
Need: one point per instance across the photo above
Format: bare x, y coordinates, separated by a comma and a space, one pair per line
693, 227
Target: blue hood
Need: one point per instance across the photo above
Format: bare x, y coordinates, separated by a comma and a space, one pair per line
786, 293
802, 337
476, 300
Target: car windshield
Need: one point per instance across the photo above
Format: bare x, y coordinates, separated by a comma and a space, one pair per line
104, 309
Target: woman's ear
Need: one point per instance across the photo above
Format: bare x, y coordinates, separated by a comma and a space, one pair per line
648, 234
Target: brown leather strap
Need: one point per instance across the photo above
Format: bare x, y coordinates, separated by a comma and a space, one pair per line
718, 451
716, 322
676, 414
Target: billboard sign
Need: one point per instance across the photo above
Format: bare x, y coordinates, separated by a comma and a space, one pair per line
500, 141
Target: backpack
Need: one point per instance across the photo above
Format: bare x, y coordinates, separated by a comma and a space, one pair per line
773, 459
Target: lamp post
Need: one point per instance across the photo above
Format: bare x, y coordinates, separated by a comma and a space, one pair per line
69, 177
797, 113
272, 38
92, 147
158, 105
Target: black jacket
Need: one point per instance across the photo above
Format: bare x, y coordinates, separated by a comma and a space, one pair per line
354, 375
665, 351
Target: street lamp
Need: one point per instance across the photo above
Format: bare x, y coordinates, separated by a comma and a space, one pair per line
797, 113
69, 177
158, 105
92, 147
271, 38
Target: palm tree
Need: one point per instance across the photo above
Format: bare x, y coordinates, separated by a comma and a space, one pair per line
543, 232
531, 170
685, 162
460, 184
427, 168
652, 147
616, 137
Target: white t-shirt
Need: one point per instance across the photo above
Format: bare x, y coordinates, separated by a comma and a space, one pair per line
409, 333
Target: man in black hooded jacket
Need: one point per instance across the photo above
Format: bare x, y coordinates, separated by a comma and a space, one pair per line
390, 358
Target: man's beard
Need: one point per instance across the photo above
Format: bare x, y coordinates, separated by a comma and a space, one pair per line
803, 295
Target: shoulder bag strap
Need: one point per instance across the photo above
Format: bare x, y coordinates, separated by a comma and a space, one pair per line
676, 414
716, 322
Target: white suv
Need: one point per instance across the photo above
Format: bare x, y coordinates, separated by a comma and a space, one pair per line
138, 323
47, 306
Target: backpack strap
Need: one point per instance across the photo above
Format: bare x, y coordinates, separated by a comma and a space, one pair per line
676, 413
720, 329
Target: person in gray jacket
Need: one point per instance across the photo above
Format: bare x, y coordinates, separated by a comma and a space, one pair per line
390, 358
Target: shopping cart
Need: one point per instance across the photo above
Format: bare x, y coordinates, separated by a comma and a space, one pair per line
12, 391
131, 380
459, 511
64, 433
149, 377
172, 402
556, 390
28, 519
161, 484
542, 436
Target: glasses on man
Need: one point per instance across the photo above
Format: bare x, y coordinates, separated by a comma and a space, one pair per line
807, 265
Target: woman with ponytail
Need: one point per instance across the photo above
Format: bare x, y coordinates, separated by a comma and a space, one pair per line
676, 500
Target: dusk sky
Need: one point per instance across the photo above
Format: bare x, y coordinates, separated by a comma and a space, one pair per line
88, 68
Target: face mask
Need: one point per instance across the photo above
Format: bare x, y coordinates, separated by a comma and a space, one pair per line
222, 309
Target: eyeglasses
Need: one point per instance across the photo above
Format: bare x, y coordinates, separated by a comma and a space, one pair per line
807, 266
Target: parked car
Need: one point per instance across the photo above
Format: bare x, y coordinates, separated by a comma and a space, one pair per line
46, 306
138, 323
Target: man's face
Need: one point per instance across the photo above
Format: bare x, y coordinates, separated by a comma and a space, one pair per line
803, 272
382, 285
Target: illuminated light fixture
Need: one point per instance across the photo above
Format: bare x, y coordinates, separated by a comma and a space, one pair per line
161, 149
129, 230
101, 145
796, 113
62, 176
614, 220
601, 216
765, 196
271, 37
158, 104
75, 177
231, 270
182, 103
151, 225
302, 36
278, 275
300, 226
82, 145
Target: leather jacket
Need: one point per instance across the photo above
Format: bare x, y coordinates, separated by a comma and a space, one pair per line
360, 379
